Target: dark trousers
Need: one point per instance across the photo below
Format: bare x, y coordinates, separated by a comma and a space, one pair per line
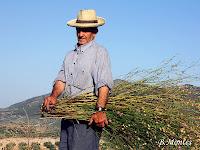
77, 135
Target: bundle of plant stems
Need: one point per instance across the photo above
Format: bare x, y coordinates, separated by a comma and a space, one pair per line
152, 111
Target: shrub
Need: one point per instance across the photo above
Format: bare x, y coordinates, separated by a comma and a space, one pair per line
57, 143
23, 146
10, 146
35, 146
49, 145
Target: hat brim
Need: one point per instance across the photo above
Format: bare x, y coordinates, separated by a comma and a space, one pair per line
73, 23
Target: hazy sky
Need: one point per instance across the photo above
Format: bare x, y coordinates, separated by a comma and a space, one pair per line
34, 38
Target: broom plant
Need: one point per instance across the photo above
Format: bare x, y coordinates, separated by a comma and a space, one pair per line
150, 109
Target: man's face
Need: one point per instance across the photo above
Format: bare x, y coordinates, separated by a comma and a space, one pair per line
84, 35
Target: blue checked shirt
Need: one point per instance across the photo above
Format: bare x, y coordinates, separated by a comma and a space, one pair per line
86, 69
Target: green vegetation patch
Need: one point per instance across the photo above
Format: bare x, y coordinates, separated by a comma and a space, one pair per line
23, 146
49, 145
10, 146
35, 146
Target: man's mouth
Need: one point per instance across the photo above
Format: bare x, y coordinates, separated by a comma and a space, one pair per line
81, 38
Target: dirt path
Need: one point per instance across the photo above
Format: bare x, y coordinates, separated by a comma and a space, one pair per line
41, 141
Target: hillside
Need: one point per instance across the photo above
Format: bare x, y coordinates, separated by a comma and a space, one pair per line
16, 111
23, 117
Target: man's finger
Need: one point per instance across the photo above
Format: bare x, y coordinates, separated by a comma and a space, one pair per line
47, 106
50, 102
45, 102
101, 124
106, 122
90, 122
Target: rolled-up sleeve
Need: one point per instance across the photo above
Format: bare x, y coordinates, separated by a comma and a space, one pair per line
61, 74
102, 74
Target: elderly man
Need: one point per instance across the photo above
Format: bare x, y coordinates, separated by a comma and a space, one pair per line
85, 69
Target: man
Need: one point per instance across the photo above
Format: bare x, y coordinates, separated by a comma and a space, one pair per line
85, 69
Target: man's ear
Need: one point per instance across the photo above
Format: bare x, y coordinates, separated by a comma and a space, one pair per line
94, 35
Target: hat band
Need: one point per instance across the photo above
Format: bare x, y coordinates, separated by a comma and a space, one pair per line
86, 21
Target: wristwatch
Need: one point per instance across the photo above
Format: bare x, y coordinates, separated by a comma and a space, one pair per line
99, 108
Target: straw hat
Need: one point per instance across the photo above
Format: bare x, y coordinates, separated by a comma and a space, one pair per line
86, 18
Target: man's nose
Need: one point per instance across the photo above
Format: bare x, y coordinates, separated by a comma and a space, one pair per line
81, 33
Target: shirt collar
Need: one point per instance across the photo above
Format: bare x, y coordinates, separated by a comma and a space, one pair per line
83, 48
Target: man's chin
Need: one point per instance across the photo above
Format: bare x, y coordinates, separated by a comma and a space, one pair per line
81, 42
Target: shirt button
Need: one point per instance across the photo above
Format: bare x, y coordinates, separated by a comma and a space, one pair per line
71, 74
74, 63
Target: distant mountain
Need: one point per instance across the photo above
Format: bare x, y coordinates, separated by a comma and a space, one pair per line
19, 110
15, 123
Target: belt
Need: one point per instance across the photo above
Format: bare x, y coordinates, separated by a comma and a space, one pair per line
75, 121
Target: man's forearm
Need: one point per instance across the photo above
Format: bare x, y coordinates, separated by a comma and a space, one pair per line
58, 88
103, 96
99, 117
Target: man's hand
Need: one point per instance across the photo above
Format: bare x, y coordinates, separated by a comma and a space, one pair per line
49, 102
99, 118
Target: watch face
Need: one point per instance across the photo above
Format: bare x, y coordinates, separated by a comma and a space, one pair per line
100, 109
